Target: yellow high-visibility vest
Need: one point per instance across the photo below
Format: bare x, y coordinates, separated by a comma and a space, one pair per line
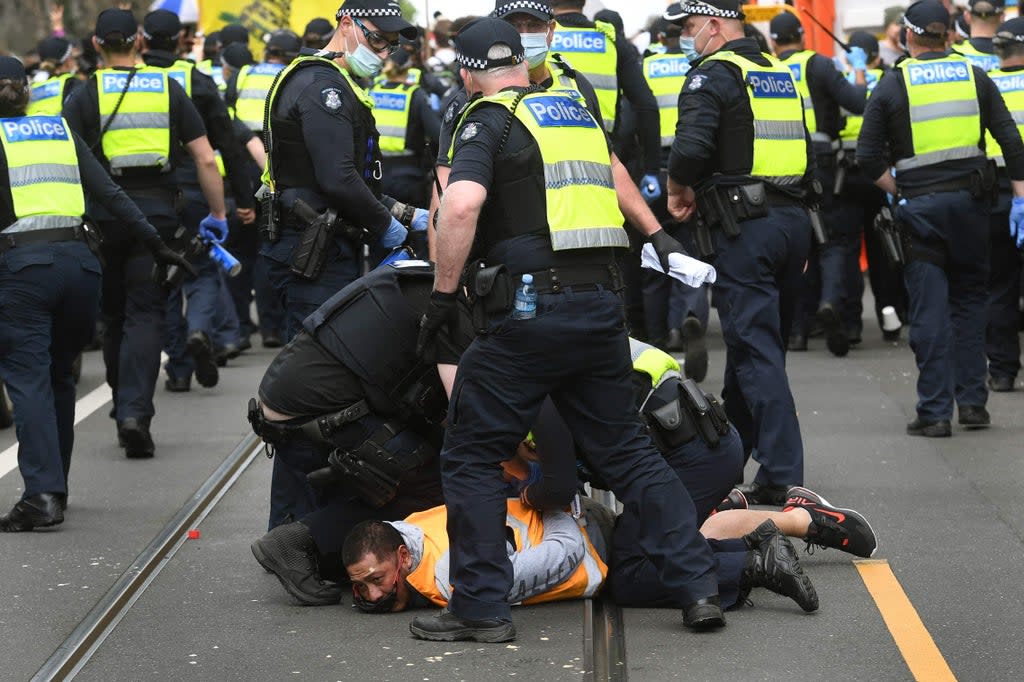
139, 135
253, 85
666, 73
48, 96
854, 122
214, 71
797, 63
391, 108
1011, 86
986, 61
593, 53
42, 172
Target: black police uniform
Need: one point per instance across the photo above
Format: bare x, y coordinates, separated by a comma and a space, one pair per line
133, 303
946, 218
759, 272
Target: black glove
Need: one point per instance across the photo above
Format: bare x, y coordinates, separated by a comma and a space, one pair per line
664, 244
441, 312
165, 255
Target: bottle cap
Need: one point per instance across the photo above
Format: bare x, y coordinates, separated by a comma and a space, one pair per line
527, 278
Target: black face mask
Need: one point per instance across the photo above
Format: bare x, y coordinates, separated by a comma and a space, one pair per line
383, 605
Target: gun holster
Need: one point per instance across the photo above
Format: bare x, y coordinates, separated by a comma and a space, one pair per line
309, 255
678, 411
94, 240
726, 206
490, 292
892, 237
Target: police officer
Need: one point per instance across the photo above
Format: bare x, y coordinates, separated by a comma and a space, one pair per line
927, 116
983, 17
50, 285
544, 201
317, 33
162, 33
246, 92
748, 182
55, 80
824, 92
1002, 335
210, 63
137, 119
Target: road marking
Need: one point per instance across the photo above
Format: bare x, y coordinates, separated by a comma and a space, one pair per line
911, 636
83, 408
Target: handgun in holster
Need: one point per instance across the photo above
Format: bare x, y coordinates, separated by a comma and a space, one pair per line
728, 205
310, 253
844, 162
892, 239
814, 212
702, 238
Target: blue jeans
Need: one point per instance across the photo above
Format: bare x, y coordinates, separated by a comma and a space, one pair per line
49, 296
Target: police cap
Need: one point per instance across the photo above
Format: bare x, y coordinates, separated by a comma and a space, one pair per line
386, 15
1011, 31
723, 9
865, 41
236, 55
234, 33
116, 22
986, 8
539, 9
786, 28
12, 69
54, 49
161, 23
319, 27
961, 25
211, 43
674, 14
477, 38
927, 18
284, 41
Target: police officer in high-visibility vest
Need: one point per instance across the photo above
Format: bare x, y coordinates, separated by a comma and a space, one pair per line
50, 286
742, 161
139, 121
540, 201
824, 92
858, 201
210, 63
1002, 335
54, 80
983, 17
246, 92
925, 120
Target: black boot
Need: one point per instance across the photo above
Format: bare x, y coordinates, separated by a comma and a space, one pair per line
133, 436
201, 350
704, 614
772, 563
289, 553
38, 511
447, 627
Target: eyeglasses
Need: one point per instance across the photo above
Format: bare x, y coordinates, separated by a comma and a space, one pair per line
377, 41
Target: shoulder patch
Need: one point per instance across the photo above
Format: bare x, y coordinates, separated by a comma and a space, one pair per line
696, 82
449, 113
331, 97
469, 132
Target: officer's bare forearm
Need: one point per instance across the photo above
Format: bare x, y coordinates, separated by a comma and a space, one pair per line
460, 210
435, 204
887, 183
209, 177
631, 203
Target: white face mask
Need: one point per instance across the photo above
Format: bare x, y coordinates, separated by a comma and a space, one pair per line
364, 62
536, 47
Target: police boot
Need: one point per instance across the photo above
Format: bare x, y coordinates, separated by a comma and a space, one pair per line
772, 563
133, 436
38, 511
201, 350
289, 553
447, 627
835, 336
704, 614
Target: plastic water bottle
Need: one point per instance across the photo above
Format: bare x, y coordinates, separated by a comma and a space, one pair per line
526, 300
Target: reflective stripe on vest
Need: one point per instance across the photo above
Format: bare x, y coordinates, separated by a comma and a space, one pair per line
945, 119
139, 136
653, 362
391, 107
1011, 86
851, 131
42, 171
666, 73
592, 52
986, 61
528, 528
797, 63
48, 96
581, 205
253, 86
268, 173
780, 149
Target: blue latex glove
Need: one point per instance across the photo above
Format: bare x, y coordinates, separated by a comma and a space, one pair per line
420, 218
394, 236
435, 102
650, 188
1017, 221
213, 229
858, 58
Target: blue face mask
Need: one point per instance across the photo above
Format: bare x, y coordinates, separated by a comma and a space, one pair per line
688, 45
535, 45
364, 62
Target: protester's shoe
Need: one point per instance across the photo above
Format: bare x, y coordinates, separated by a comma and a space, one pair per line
734, 500
797, 342
225, 353
674, 342
39, 511
133, 435
843, 529
835, 336
764, 493
1001, 384
178, 385
695, 365
704, 614
272, 341
939, 429
773, 564
447, 627
201, 350
974, 417
288, 551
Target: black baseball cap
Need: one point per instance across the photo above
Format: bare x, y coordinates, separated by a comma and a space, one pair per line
539, 9
54, 49
234, 33
785, 28
927, 18
320, 27
211, 43
12, 69
1011, 31
236, 55
723, 9
865, 41
284, 41
986, 8
386, 15
161, 23
116, 21
478, 36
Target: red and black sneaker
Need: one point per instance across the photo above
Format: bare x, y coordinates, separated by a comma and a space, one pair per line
843, 529
734, 500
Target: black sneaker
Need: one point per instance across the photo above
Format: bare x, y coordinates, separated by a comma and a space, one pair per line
447, 627
835, 336
843, 529
288, 551
201, 350
939, 429
695, 363
974, 417
773, 564
734, 500
764, 493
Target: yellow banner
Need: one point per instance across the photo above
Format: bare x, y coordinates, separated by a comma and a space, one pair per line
263, 16
757, 13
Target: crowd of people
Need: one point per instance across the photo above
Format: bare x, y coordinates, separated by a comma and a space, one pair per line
482, 250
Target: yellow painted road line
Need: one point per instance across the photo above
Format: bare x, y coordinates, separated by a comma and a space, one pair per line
915, 643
